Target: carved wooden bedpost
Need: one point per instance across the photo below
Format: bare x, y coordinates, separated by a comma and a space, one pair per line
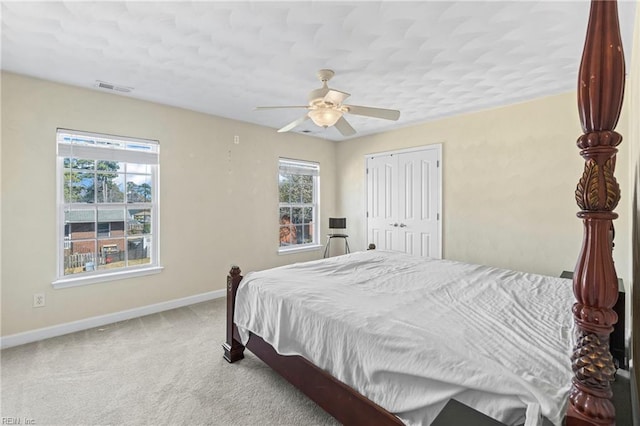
233, 350
600, 93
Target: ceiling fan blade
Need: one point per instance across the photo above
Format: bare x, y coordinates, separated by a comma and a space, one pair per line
294, 124
279, 107
344, 127
387, 114
335, 97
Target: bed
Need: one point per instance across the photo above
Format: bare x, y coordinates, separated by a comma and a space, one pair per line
567, 376
377, 305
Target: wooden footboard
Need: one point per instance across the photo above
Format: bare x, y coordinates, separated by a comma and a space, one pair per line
341, 401
233, 349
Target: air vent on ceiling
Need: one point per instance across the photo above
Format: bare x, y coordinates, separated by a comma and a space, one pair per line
110, 86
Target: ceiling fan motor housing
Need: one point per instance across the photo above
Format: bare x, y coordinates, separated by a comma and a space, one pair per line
317, 96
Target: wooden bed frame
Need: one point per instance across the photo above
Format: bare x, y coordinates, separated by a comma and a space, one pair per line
600, 93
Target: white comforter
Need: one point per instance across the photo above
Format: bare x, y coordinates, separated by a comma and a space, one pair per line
411, 333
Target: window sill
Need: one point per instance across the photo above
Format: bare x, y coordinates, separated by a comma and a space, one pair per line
111, 276
292, 250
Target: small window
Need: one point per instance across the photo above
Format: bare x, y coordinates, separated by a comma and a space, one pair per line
298, 183
108, 206
104, 229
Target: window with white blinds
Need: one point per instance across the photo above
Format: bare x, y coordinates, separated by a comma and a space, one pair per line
108, 207
298, 183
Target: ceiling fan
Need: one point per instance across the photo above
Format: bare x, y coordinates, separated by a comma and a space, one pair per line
326, 108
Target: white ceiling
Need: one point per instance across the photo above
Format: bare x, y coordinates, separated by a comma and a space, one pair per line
427, 59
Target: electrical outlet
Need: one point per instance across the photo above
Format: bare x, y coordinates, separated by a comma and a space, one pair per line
38, 300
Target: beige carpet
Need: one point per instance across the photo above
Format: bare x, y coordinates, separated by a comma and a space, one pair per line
162, 369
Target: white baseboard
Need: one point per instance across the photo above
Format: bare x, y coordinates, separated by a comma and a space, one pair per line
85, 324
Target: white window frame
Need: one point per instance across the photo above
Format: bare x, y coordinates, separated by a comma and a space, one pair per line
96, 146
313, 169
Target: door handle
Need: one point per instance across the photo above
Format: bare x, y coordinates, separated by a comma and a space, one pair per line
402, 225
393, 224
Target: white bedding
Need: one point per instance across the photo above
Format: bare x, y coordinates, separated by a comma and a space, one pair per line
411, 333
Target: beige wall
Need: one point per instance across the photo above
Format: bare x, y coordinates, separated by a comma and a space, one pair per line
509, 175
211, 190
508, 180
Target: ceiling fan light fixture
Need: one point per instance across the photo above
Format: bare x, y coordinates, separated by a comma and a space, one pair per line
325, 117
327, 108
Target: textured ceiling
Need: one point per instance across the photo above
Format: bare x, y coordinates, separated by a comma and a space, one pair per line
427, 59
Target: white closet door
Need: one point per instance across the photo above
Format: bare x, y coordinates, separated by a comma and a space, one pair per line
418, 199
403, 201
382, 202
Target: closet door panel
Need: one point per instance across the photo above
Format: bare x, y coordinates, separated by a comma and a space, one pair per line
382, 201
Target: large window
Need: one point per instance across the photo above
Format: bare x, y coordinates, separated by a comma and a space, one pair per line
298, 183
108, 207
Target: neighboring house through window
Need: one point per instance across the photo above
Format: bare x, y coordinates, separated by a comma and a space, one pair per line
108, 207
298, 183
